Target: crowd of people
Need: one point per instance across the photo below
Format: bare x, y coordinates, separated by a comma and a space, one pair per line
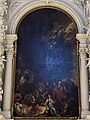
46, 98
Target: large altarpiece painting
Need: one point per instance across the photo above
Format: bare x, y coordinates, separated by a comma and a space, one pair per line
46, 80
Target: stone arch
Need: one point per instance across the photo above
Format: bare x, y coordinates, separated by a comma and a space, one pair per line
26, 7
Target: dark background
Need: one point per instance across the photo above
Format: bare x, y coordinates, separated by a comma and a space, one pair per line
34, 51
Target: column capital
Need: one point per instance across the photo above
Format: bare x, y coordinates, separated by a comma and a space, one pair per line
82, 38
82, 52
10, 39
83, 44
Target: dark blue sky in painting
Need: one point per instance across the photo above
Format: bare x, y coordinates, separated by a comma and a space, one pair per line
47, 45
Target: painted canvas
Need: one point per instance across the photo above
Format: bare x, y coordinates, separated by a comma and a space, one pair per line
46, 80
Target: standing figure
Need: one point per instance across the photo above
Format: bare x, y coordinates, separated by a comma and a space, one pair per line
50, 103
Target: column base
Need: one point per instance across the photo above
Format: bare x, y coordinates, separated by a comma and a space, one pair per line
7, 114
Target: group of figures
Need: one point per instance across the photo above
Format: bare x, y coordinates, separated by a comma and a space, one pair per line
45, 98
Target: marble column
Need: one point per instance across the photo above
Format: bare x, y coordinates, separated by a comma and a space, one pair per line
10, 39
83, 76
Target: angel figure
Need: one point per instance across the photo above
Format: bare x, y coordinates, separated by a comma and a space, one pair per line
88, 64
